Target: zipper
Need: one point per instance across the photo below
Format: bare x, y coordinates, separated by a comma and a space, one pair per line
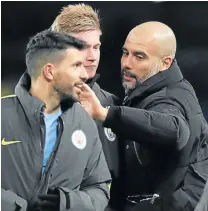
47, 173
139, 160
42, 144
155, 196
43, 132
52, 156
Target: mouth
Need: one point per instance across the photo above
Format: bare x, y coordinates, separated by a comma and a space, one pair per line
90, 67
127, 77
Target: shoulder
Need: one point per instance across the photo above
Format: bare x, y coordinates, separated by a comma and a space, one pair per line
8, 97
184, 93
81, 116
106, 98
181, 88
184, 96
10, 110
8, 101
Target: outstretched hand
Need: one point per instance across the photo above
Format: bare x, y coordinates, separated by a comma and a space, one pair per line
91, 104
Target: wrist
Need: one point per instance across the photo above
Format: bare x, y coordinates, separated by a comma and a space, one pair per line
102, 114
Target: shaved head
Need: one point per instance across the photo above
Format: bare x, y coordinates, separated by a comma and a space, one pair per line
149, 49
156, 34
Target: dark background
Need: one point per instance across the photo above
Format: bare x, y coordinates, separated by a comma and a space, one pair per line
189, 21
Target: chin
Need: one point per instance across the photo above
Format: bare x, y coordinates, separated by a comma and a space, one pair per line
91, 72
91, 75
128, 85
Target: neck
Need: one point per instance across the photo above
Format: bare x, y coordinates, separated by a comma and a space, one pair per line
43, 91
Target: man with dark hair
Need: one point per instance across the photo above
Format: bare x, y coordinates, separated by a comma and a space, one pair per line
160, 126
52, 157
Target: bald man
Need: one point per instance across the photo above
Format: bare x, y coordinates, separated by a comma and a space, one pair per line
161, 128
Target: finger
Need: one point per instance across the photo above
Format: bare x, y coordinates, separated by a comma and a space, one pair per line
83, 98
86, 88
87, 94
80, 86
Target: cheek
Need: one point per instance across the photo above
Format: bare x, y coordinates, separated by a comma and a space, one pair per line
140, 68
97, 55
69, 77
122, 61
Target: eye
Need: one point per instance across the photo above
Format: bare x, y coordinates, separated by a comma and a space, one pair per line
78, 64
125, 53
97, 47
139, 57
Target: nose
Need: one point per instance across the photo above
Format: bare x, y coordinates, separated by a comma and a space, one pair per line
126, 62
83, 75
91, 55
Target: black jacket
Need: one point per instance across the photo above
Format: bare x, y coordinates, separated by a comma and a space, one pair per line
108, 138
77, 168
165, 141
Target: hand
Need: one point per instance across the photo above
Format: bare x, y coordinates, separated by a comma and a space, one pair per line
91, 104
49, 201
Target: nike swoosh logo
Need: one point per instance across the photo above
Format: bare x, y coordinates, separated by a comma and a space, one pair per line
4, 143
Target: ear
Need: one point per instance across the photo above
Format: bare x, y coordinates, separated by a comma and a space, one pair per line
48, 71
166, 63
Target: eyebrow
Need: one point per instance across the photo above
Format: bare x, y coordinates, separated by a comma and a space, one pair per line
79, 62
124, 49
97, 44
135, 53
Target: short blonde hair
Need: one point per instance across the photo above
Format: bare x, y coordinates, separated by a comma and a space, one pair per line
76, 18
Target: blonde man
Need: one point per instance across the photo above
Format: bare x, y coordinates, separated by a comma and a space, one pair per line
82, 22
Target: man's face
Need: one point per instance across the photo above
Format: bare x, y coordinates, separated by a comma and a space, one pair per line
139, 62
69, 73
92, 38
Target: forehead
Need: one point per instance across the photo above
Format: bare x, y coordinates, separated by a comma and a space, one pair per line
73, 55
141, 42
90, 37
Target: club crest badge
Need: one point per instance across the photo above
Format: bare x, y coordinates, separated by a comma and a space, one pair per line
79, 139
109, 134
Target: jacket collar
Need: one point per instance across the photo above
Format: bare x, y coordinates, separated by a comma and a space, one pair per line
157, 82
92, 81
32, 105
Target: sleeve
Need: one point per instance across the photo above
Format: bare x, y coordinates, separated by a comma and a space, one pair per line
12, 202
116, 100
203, 203
162, 124
94, 190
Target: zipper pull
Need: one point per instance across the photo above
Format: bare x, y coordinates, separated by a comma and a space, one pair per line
153, 198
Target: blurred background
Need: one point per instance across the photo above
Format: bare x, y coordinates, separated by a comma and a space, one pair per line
189, 21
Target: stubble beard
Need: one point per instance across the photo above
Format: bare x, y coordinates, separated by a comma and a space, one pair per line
138, 81
62, 95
